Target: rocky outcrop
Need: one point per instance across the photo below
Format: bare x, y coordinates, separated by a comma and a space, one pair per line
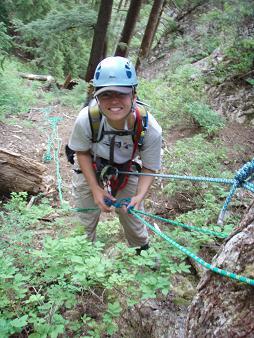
234, 100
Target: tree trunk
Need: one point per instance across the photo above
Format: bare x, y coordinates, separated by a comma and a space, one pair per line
100, 33
150, 30
128, 29
119, 6
224, 307
19, 173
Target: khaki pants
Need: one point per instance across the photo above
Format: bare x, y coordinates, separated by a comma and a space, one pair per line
135, 231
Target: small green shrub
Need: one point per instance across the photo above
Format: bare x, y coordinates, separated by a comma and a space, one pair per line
155, 94
15, 95
205, 117
195, 157
238, 59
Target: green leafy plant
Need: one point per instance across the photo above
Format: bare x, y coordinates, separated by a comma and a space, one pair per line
205, 117
43, 280
195, 157
15, 96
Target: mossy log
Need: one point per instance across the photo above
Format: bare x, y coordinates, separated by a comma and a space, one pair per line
19, 173
224, 307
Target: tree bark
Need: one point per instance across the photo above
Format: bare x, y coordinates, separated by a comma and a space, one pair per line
128, 29
224, 307
19, 173
99, 40
150, 30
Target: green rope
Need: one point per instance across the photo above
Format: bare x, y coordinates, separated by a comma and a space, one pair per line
192, 255
186, 226
54, 120
58, 174
54, 142
84, 209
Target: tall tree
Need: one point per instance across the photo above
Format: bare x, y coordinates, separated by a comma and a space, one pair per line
98, 50
59, 41
128, 29
150, 30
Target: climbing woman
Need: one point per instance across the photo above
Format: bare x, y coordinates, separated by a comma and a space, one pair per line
114, 133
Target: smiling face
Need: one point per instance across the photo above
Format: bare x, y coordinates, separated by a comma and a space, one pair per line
116, 107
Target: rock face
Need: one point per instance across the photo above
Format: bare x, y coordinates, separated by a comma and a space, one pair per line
153, 319
234, 101
224, 307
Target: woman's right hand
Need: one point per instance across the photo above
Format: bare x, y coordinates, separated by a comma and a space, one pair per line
99, 195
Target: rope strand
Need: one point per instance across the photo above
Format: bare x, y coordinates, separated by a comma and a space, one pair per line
192, 255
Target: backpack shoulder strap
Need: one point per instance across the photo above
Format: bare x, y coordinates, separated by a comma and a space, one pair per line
141, 125
95, 121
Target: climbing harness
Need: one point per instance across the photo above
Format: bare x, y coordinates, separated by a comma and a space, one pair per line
97, 130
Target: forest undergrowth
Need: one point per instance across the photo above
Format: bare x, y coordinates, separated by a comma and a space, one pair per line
54, 282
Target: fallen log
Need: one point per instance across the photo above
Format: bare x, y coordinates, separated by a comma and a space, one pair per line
19, 173
47, 78
69, 83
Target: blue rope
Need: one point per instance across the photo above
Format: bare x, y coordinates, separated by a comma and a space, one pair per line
239, 180
118, 203
179, 177
243, 178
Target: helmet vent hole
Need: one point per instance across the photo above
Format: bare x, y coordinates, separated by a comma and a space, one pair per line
98, 72
128, 71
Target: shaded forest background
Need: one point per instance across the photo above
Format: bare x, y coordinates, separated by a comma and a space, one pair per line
196, 69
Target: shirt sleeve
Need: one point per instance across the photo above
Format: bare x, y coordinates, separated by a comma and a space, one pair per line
150, 153
80, 139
